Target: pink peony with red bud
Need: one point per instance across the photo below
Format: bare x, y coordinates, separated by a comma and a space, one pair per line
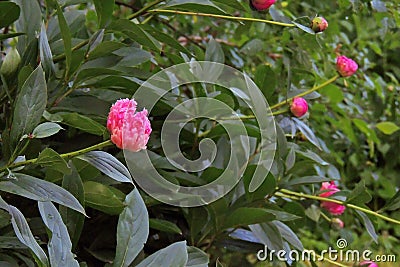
260, 5
129, 129
328, 190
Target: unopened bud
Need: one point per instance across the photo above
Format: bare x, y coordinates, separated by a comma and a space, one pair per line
319, 24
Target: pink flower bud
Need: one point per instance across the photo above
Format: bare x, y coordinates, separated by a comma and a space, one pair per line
299, 106
129, 129
368, 264
260, 5
346, 66
337, 223
319, 24
330, 189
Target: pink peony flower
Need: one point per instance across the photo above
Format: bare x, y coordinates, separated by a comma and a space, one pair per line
337, 223
330, 189
319, 24
260, 5
370, 264
129, 129
346, 66
299, 106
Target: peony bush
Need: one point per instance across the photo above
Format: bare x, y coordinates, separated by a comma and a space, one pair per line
80, 104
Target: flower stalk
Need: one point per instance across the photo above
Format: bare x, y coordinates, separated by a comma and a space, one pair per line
64, 156
221, 17
289, 193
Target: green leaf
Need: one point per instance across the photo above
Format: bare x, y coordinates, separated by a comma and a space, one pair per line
313, 156
196, 258
95, 40
10, 242
60, 245
308, 133
165, 38
364, 128
359, 195
40, 190
268, 234
313, 212
174, 255
333, 92
214, 52
283, 215
28, 22
247, 216
136, 33
51, 159
393, 203
387, 127
304, 28
289, 235
104, 9
83, 123
308, 180
10, 35
46, 129
30, 105
30, 55
23, 232
73, 219
290, 159
204, 6
9, 13
108, 164
234, 4
132, 231
267, 187
103, 198
105, 48
86, 74
164, 226
266, 80
368, 225
46, 56
66, 37
132, 56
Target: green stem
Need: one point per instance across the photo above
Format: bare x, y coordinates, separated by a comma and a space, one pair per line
144, 9
285, 192
221, 17
282, 103
326, 217
64, 156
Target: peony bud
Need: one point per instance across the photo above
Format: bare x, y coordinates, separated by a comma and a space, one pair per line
337, 223
299, 106
10, 63
319, 24
129, 129
260, 5
368, 264
330, 189
346, 66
